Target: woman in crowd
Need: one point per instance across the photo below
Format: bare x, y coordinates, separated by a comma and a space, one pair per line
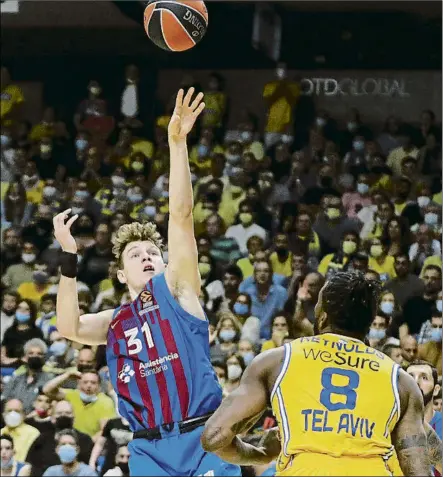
236, 366
227, 336
280, 330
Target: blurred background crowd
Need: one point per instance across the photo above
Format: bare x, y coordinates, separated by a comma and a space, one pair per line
278, 209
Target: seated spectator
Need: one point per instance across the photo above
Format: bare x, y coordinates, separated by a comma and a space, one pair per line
236, 366
306, 300
378, 330
304, 237
389, 139
331, 225
226, 336
22, 330
246, 350
221, 371
266, 297
418, 309
91, 407
201, 153
22, 434
12, 99
375, 217
254, 244
372, 275
334, 262
223, 249
429, 157
214, 288
394, 352
388, 306
49, 126
250, 329
91, 107
280, 326
115, 435
246, 228
15, 211
39, 286
431, 330
380, 261
281, 257
405, 285
10, 252
398, 154
9, 306
62, 355
40, 417
27, 383
114, 291
121, 462
247, 285
354, 201
9, 465
424, 247
233, 194
68, 452
409, 349
42, 453
396, 235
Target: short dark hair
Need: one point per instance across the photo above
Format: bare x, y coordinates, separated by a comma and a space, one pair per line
350, 301
69, 432
234, 270
422, 362
432, 267
387, 349
8, 438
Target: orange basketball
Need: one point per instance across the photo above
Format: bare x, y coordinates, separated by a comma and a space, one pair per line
176, 25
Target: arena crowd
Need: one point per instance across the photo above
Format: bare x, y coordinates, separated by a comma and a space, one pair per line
274, 218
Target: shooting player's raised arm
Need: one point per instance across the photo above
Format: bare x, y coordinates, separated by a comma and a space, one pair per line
182, 270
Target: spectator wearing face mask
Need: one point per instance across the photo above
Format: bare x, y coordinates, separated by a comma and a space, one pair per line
388, 305
280, 96
227, 336
40, 417
281, 257
405, 285
340, 260
378, 330
22, 434
92, 106
246, 228
398, 154
331, 225
121, 468
380, 261
246, 351
430, 330
250, 325
42, 453
10, 249
9, 465
91, 407
27, 384
354, 161
49, 126
68, 452
15, 211
425, 246
304, 237
353, 202
39, 231
39, 286
200, 155
62, 355
224, 249
9, 306
236, 366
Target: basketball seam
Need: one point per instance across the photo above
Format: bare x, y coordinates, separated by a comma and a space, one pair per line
178, 21
183, 5
161, 27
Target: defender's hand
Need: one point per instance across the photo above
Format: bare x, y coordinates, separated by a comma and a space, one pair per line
62, 231
185, 114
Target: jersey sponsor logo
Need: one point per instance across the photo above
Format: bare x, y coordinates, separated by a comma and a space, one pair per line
147, 302
126, 374
341, 359
157, 365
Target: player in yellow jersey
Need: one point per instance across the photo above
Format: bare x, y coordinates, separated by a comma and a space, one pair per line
342, 407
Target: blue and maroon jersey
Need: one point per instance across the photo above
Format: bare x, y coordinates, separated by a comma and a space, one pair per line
158, 359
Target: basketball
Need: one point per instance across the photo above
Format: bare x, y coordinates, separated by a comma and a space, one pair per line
176, 25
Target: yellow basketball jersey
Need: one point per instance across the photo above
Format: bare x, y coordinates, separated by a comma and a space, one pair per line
335, 397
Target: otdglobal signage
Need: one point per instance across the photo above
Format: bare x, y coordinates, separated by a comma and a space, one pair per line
354, 87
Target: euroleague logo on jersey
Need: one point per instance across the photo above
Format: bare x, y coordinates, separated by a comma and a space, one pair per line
147, 302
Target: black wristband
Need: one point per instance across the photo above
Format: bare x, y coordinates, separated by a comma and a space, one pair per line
68, 264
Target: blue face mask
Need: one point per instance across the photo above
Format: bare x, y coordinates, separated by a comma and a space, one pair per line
387, 307
86, 398
358, 145
135, 198
431, 218
241, 309
439, 305
227, 335
376, 334
67, 453
22, 317
82, 194
150, 210
248, 357
81, 144
165, 194
58, 348
203, 150
436, 335
8, 464
362, 188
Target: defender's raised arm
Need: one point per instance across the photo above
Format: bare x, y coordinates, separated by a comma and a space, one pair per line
182, 268
88, 329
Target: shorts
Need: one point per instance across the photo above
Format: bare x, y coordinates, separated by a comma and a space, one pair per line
176, 454
311, 464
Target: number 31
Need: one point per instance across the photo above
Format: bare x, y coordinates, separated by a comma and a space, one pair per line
134, 343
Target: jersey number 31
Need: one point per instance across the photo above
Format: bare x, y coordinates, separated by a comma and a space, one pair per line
348, 390
135, 343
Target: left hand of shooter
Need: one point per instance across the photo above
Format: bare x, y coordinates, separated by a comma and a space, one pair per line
184, 115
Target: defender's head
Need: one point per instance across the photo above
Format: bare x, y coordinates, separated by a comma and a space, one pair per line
347, 304
138, 250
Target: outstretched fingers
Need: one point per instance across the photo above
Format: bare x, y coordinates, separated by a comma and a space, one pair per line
199, 109
196, 101
71, 221
188, 97
179, 102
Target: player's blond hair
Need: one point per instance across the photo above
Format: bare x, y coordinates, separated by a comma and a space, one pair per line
134, 232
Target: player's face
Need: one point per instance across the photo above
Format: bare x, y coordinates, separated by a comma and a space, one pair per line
423, 377
6, 450
141, 261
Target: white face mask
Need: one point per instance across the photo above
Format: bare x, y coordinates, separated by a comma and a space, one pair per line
234, 372
13, 419
28, 257
423, 201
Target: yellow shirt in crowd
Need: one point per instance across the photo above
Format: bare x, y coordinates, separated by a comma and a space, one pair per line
215, 102
11, 96
89, 417
280, 112
245, 265
384, 268
282, 268
23, 435
28, 290
396, 157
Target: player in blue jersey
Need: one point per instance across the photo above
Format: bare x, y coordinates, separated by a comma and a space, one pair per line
157, 345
